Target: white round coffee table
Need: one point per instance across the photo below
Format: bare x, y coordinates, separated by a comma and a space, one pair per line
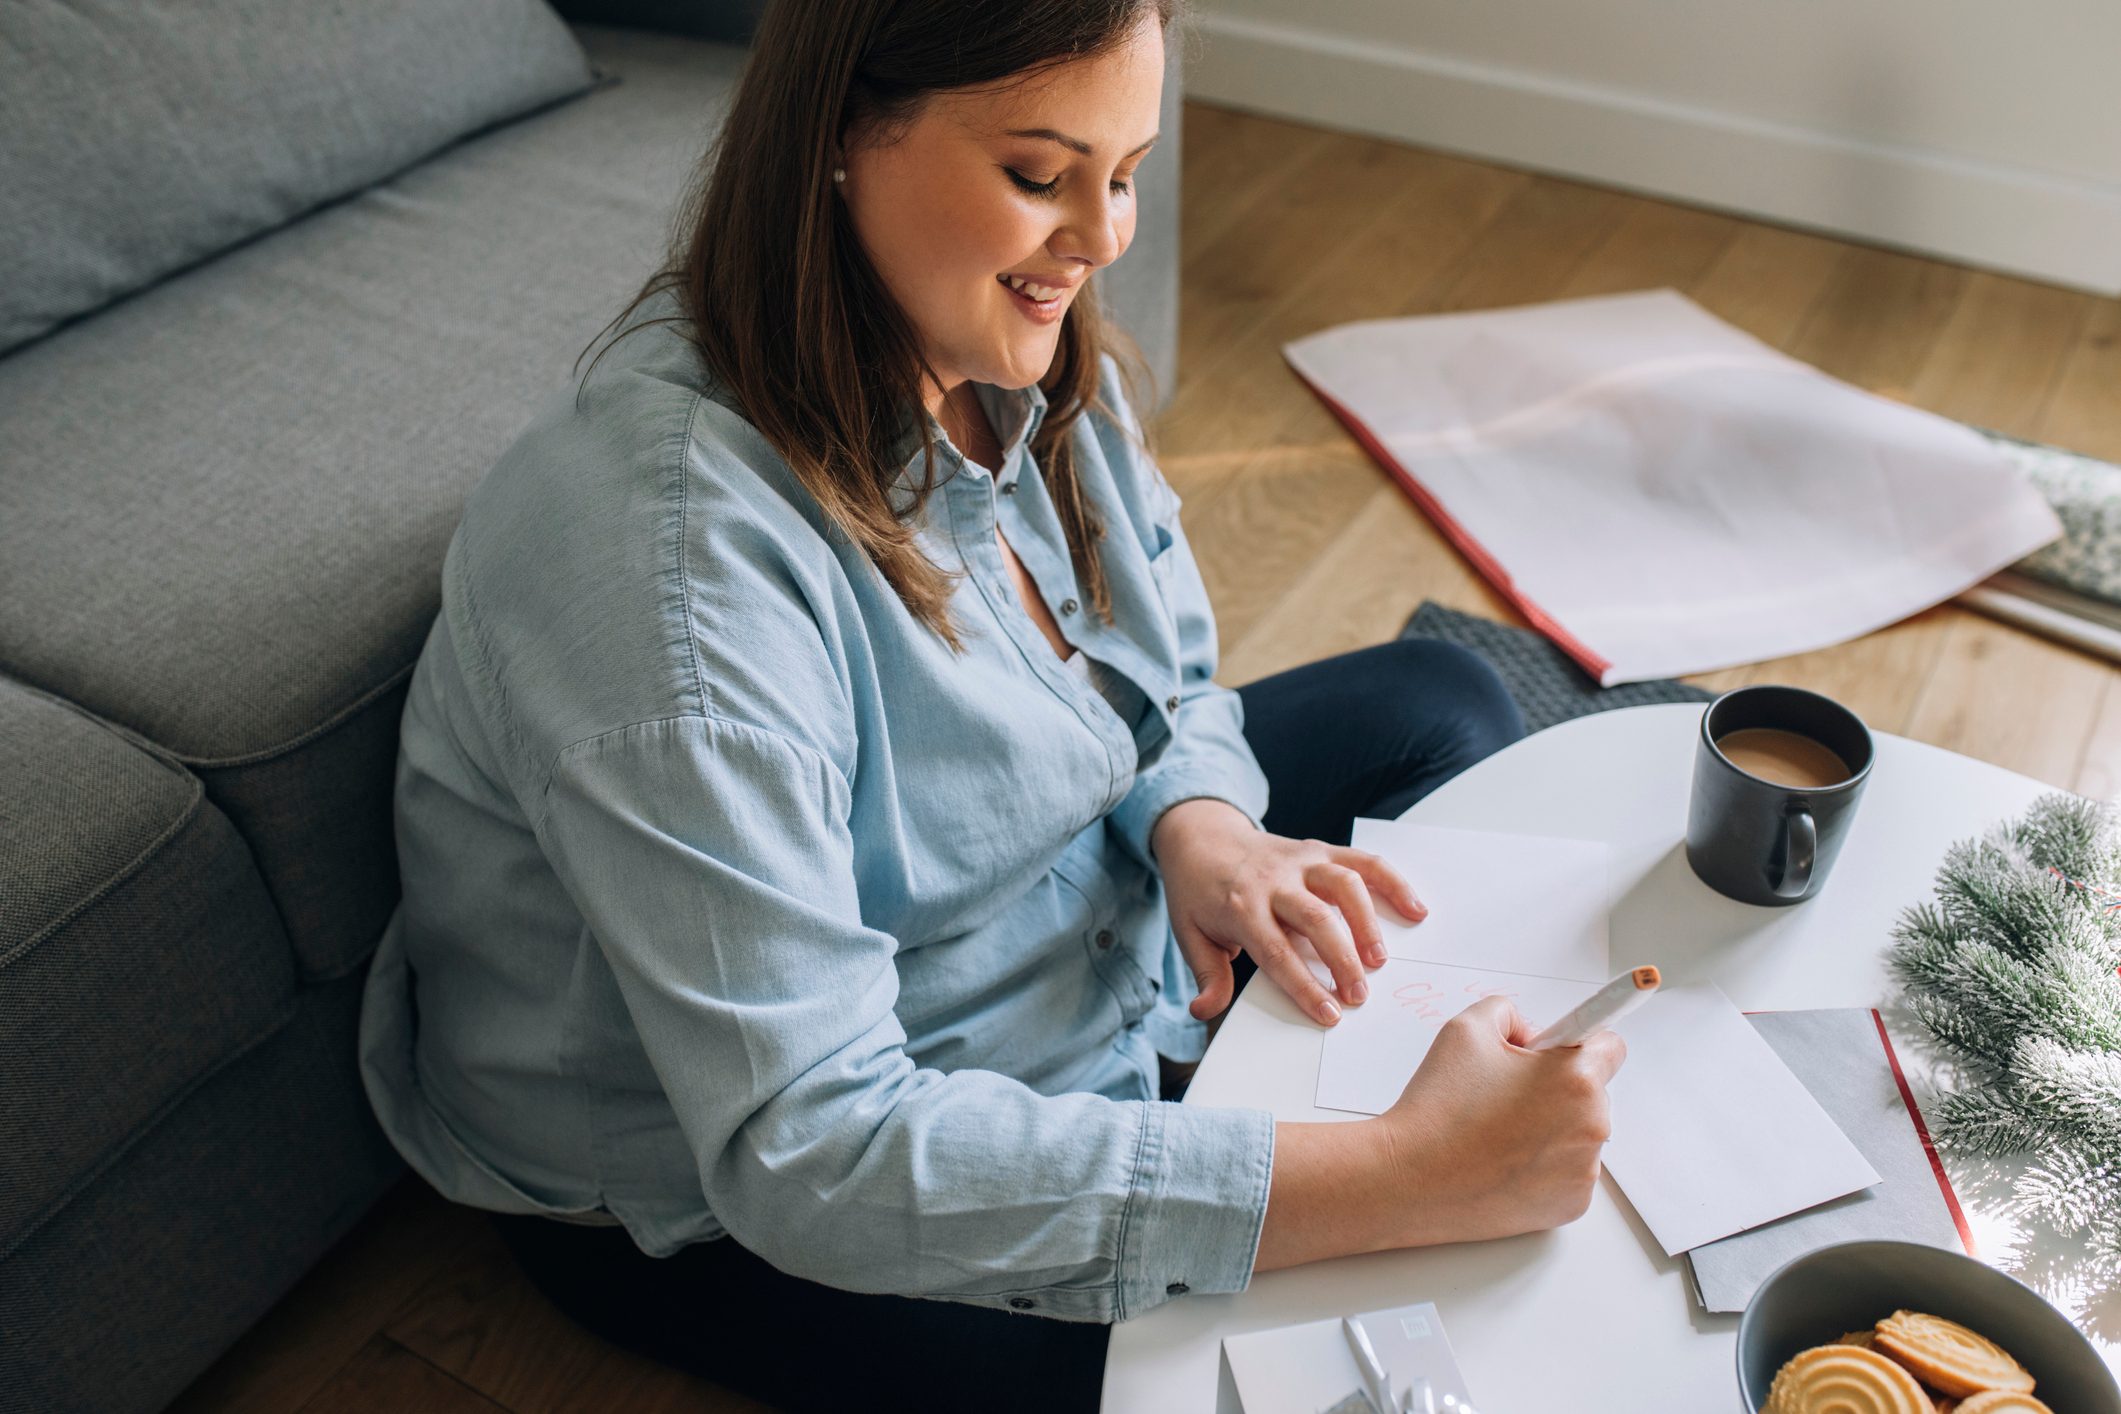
1593, 1316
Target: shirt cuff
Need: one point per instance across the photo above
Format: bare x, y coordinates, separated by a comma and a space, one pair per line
1136, 816
1199, 1204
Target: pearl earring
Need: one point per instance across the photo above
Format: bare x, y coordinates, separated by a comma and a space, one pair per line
839, 174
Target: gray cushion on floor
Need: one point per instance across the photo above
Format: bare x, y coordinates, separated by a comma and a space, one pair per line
196, 543
1546, 684
281, 1128
138, 948
145, 134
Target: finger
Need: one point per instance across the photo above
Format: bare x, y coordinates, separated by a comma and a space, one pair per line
1389, 884
1347, 889
1212, 976
1302, 911
1509, 1023
1602, 1053
1278, 958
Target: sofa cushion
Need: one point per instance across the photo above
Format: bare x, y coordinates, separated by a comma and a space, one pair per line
145, 134
227, 498
138, 948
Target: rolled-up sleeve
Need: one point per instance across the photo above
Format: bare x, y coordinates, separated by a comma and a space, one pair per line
713, 864
1207, 754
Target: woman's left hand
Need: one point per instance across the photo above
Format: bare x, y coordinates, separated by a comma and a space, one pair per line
1232, 888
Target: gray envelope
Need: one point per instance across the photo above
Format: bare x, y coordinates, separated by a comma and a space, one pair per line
1840, 1057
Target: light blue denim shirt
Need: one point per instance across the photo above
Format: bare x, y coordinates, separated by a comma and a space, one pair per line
736, 902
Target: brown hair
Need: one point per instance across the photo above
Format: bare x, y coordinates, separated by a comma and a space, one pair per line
786, 308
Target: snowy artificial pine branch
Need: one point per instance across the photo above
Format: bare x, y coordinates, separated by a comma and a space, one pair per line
2012, 969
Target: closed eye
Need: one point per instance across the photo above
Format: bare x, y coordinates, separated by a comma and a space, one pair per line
1120, 186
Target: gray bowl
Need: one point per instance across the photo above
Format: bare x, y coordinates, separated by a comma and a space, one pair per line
1811, 1299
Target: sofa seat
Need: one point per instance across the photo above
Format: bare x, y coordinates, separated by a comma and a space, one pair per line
138, 949
211, 531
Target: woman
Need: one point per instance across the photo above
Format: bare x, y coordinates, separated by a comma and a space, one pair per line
819, 823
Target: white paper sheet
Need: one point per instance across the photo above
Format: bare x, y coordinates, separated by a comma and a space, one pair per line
1660, 492
1712, 1134
1509, 903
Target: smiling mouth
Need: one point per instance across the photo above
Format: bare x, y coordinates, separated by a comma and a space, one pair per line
1044, 296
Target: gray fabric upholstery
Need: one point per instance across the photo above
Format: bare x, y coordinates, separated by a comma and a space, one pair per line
228, 497
145, 134
215, 1209
138, 948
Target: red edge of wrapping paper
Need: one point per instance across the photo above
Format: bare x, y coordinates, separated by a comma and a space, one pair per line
1489, 567
1922, 1132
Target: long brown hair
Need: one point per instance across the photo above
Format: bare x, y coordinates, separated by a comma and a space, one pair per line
790, 315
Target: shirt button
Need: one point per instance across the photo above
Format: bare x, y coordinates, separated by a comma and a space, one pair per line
1177, 1288
1009, 489
1104, 937
1021, 1303
1068, 606
1171, 703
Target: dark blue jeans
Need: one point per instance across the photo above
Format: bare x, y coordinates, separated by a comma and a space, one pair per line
1367, 733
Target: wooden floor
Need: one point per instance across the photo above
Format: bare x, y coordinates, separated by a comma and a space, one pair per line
1309, 550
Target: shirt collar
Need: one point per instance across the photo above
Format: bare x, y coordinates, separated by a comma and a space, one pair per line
1015, 414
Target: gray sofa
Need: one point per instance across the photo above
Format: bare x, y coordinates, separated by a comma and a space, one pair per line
233, 446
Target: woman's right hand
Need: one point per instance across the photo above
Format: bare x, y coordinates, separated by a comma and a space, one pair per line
1490, 1139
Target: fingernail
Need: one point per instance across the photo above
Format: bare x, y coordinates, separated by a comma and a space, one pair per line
1358, 994
1377, 957
1329, 1011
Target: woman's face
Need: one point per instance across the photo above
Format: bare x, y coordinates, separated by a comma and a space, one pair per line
988, 190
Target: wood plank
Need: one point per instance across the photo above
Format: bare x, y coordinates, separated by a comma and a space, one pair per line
1531, 248
1341, 188
1997, 361
2085, 413
2099, 768
1657, 244
2010, 698
1361, 589
1877, 320
385, 1375
1768, 280
1395, 238
349, 1297
1264, 531
1233, 163
482, 1321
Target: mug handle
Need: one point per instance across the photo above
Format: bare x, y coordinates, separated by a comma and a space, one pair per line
1800, 847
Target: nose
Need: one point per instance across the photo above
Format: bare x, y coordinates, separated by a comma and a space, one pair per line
1097, 230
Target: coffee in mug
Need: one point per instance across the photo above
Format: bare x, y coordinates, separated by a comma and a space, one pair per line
1783, 757
1777, 775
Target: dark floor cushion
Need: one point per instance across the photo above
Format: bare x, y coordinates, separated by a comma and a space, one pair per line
138, 948
143, 135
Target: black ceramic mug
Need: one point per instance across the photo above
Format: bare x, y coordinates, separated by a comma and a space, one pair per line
1777, 775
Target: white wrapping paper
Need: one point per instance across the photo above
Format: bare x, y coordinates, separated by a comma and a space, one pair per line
1660, 492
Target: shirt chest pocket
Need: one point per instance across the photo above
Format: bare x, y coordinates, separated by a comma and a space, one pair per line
1123, 941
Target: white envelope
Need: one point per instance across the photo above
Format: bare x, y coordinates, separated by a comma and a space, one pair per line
1510, 903
1660, 492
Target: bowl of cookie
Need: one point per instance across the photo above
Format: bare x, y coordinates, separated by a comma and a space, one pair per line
1900, 1328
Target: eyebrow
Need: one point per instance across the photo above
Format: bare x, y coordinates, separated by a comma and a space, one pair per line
1074, 144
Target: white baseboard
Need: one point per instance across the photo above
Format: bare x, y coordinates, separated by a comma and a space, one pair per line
1975, 212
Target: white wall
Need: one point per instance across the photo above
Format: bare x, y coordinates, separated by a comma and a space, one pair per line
1978, 131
